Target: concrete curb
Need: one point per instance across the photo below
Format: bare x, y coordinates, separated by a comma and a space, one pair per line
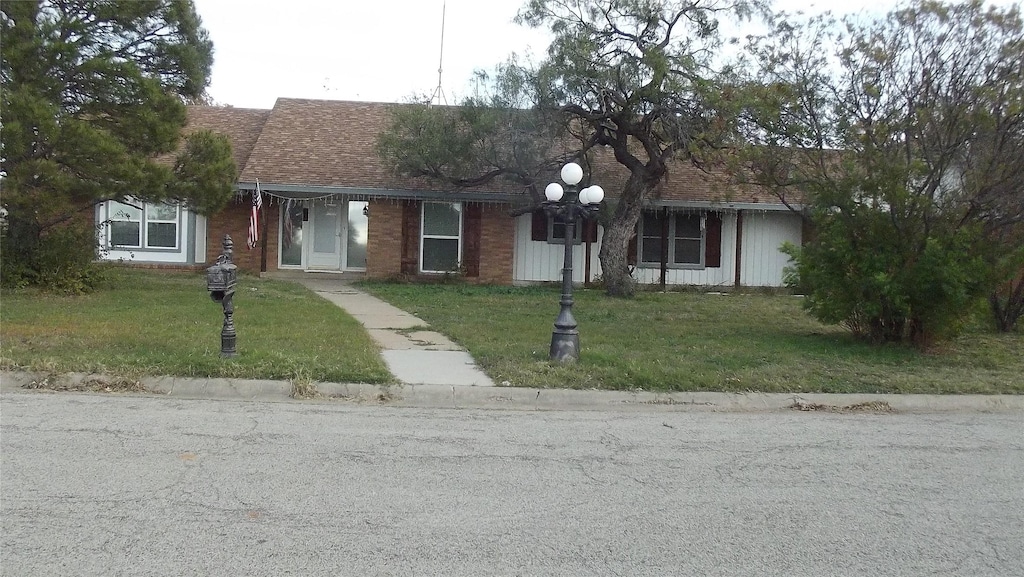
466, 397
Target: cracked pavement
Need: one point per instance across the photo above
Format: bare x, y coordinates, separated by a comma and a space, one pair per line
119, 485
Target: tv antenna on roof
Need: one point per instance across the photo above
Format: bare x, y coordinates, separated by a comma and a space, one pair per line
439, 92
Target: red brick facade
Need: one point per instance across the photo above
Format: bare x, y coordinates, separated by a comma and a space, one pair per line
234, 221
393, 242
384, 239
497, 243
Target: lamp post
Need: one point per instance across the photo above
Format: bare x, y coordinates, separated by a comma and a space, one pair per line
567, 205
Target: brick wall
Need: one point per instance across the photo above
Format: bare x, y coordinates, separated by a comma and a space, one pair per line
234, 220
384, 243
384, 239
497, 241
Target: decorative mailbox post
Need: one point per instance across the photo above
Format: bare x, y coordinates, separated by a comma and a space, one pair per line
220, 281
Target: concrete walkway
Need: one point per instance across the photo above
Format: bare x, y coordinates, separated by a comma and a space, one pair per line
415, 354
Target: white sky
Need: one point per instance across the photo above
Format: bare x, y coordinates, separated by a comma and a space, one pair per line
376, 50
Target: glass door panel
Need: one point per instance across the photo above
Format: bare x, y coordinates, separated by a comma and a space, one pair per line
291, 233
326, 253
358, 226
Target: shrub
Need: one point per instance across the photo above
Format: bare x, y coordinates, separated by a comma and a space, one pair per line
63, 261
861, 273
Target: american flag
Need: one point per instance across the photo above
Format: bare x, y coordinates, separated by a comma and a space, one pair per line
254, 216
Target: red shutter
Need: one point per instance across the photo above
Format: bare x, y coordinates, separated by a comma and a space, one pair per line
713, 240
471, 240
410, 237
631, 251
539, 226
589, 231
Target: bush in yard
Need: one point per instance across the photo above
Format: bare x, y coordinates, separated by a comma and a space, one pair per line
862, 273
1006, 301
63, 261
900, 139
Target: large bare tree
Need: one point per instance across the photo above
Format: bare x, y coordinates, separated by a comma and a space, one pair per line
633, 76
905, 133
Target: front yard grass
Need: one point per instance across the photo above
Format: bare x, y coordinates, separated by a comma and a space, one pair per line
693, 341
159, 323
164, 323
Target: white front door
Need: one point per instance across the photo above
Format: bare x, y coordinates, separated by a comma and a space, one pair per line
325, 248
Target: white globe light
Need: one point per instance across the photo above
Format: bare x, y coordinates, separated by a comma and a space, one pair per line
596, 194
553, 192
572, 173
585, 196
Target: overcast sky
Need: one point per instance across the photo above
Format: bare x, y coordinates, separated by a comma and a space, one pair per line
375, 50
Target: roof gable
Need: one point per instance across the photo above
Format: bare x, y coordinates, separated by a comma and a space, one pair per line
242, 126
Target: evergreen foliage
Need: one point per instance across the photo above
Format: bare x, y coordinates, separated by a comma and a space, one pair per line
94, 95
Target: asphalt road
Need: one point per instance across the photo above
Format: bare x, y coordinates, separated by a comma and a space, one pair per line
112, 485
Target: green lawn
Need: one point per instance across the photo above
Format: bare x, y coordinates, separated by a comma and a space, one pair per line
160, 323
691, 341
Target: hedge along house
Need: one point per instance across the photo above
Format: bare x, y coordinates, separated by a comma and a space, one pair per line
330, 205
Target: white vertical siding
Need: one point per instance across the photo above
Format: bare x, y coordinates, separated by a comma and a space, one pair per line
714, 276
537, 261
762, 263
763, 233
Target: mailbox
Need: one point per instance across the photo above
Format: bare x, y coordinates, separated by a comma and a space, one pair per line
220, 281
221, 278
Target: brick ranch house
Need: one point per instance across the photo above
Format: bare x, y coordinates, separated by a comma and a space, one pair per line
329, 205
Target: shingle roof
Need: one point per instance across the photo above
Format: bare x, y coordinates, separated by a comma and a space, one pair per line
332, 143
241, 125
319, 143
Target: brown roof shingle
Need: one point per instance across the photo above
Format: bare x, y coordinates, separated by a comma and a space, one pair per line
303, 142
242, 126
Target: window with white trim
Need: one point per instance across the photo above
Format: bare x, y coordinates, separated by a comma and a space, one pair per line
685, 238
144, 225
440, 237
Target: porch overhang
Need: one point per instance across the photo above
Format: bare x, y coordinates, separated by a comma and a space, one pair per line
711, 205
311, 192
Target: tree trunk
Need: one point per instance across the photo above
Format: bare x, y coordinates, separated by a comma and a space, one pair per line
1009, 308
21, 244
614, 245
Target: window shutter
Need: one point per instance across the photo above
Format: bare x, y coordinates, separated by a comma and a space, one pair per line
631, 251
713, 240
589, 231
539, 226
471, 240
410, 237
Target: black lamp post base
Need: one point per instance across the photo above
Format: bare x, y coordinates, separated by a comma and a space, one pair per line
565, 347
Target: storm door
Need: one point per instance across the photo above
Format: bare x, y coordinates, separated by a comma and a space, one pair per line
325, 246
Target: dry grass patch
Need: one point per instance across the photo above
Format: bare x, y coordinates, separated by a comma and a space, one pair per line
90, 384
865, 407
